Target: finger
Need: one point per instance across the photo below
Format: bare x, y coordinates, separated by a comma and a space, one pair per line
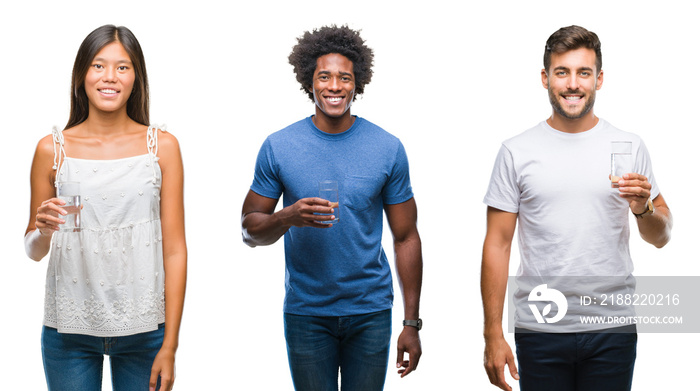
166, 382
501, 380
635, 192
510, 361
57, 200
409, 368
48, 221
325, 209
317, 201
51, 207
629, 183
496, 375
319, 221
319, 213
399, 358
403, 368
634, 175
153, 381
413, 360
43, 229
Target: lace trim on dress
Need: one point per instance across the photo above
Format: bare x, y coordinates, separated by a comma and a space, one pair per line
152, 145
59, 154
90, 315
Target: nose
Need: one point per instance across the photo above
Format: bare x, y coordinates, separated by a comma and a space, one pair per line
573, 82
110, 74
334, 84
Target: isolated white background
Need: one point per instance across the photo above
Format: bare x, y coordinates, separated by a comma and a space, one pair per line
451, 80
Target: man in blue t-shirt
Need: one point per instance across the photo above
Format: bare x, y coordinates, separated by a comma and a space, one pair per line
337, 307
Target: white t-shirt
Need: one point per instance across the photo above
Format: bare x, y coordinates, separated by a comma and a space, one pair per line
571, 222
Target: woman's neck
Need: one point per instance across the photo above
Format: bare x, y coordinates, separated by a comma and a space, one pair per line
107, 124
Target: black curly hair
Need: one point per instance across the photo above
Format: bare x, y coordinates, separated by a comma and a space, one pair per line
331, 39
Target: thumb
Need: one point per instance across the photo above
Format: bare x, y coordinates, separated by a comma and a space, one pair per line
512, 368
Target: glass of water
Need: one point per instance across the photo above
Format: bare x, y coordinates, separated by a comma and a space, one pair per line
621, 162
328, 190
70, 193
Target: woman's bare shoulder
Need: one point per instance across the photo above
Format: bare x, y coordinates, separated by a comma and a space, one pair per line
45, 147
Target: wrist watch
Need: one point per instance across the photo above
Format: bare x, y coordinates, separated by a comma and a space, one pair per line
414, 323
649, 211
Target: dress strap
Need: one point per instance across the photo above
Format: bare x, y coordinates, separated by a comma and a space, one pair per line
59, 154
152, 144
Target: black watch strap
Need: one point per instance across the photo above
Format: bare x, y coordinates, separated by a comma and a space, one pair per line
414, 323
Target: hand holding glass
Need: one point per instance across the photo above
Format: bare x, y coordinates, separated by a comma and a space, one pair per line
620, 161
328, 190
70, 193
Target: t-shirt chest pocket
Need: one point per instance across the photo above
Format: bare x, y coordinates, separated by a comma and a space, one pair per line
359, 192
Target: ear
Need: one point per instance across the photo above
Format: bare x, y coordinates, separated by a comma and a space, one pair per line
599, 80
545, 79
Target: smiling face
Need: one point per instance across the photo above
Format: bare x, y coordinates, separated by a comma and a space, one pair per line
334, 89
110, 79
572, 82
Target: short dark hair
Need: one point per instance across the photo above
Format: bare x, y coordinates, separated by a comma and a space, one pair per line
137, 105
572, 38
331, 39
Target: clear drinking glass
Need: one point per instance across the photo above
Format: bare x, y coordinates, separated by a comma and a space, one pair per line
328, 190
620, 161
70, 193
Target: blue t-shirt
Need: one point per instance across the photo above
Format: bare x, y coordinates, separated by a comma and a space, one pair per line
341, 270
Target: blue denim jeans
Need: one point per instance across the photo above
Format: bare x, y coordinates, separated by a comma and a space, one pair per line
358, 346
74, 361
577, 361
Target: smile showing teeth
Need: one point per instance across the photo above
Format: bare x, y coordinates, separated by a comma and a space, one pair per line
335, 99
108, 91
573, 98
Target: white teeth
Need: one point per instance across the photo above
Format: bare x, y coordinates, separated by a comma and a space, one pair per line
335, 99
572, 97
108, 91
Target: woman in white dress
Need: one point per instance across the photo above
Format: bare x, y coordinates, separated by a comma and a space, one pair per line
115, 284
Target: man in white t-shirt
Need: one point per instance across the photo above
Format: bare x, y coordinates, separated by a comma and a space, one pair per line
554, 181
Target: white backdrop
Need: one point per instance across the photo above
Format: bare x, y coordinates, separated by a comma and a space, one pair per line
452, 80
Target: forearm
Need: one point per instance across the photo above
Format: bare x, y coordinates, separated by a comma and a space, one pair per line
175, 283
36, 244
656, 228
409, 268
262, 229
494, 279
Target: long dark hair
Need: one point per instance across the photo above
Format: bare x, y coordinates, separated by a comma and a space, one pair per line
137, 105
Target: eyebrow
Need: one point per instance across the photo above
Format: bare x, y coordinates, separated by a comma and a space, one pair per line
563, 68
118, 62
342, 73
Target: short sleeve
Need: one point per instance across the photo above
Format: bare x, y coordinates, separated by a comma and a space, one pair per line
266, 180
398, 187
503, 192
643, 166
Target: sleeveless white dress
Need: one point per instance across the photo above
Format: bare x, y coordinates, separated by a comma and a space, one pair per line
108, 279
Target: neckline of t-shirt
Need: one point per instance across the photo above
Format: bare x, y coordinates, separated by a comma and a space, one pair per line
595, 129
107, 160
334, 136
